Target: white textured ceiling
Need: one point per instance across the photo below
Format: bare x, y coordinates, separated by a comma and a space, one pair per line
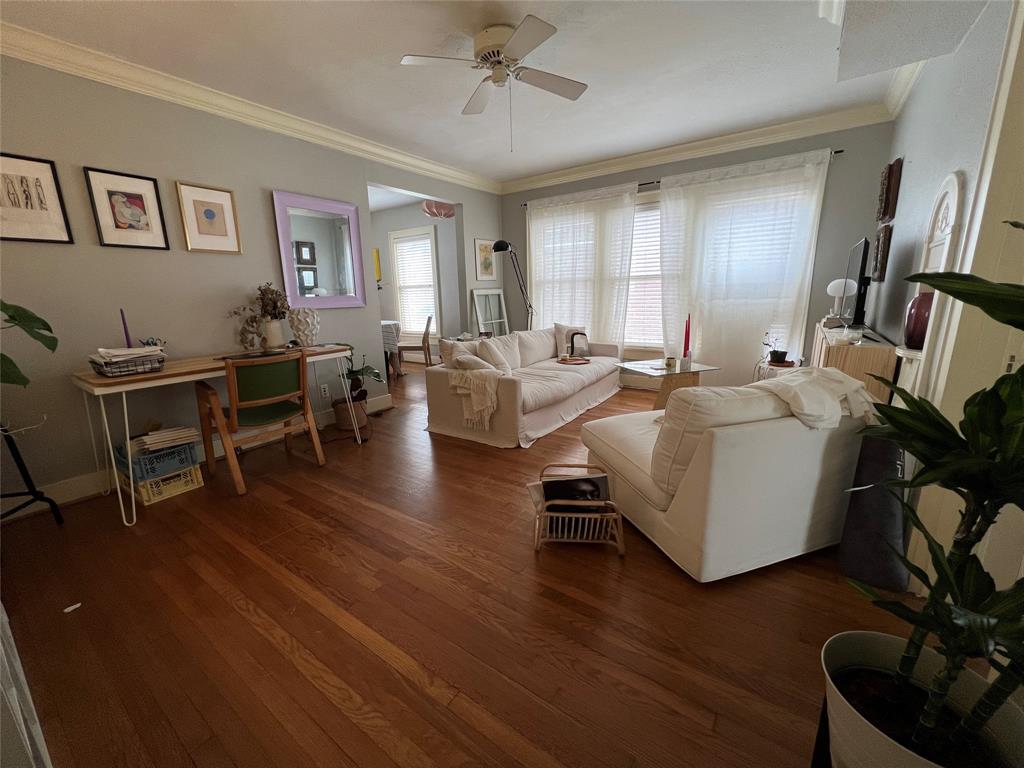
659, 73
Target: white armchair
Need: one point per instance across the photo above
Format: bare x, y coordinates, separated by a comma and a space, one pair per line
727, 481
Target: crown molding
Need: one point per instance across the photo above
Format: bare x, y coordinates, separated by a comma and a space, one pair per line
828, 122
46, 51
903, 79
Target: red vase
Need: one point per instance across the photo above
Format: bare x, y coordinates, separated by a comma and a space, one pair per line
918, 312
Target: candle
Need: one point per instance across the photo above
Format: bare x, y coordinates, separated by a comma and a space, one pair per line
686, 338
124, 325
376, 263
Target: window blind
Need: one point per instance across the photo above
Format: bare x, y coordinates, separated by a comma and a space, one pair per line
415, 283
643, 315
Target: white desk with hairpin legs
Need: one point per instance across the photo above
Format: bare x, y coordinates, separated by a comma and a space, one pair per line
174, 372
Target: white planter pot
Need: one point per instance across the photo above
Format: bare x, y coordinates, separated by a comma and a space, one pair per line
858, 744
273, 333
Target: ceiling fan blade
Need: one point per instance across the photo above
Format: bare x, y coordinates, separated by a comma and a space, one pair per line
419, 61
556, 84
478, 101
530, 33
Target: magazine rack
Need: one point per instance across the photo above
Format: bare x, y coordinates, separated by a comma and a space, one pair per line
595, 522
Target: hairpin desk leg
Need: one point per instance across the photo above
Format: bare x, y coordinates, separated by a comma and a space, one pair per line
92, 442
128, 451
347, 391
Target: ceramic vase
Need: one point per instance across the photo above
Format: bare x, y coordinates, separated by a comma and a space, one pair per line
305, 325
273, 334
856, 743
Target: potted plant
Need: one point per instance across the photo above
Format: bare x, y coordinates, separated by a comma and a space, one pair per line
354, 376
894, 702
771, 343
263, 318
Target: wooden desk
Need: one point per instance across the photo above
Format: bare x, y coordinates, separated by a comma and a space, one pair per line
179, 371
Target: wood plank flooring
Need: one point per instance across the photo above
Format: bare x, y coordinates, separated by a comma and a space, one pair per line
389, 610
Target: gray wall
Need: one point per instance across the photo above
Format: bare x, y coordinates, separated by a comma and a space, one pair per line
448, 263
180, 296
941, 129
848, 208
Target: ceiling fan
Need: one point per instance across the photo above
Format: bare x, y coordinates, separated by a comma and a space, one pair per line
500, 49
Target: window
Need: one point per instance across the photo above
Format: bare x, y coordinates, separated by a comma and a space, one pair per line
643, 309
413, 259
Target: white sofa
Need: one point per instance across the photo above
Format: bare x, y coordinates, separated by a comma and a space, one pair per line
725, 479
536, 397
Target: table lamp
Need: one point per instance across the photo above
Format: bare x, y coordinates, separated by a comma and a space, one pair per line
502, 247
839, 289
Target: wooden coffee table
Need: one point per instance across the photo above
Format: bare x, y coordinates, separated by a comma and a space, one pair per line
684, 374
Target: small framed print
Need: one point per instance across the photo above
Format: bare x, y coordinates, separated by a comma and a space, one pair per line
882, 242
127, 209
889, 191
485, 267
31, 203
209, 218
308, 280
305, 252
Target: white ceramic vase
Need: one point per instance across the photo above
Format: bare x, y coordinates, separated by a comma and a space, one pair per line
305, 325
273, 334
856, 743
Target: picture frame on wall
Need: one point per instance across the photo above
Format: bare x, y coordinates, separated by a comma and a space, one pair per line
486, 267
31, 202
209, 218
882, 242
889, 191
308, 280
305, 252
127, 209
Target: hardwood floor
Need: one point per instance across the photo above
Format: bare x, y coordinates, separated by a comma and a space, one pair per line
389, 610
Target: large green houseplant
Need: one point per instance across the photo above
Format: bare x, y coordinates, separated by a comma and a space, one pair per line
981, 459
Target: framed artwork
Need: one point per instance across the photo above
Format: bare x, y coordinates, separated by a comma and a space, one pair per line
127, 209
209, 219
485, 263
889, 191
305, 252
31, 203
308, 280
882, 242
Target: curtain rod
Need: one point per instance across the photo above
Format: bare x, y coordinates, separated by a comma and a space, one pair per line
658, 182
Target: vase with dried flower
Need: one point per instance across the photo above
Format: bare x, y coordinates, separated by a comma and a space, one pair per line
263, 318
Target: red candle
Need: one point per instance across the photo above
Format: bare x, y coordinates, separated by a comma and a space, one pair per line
686, 338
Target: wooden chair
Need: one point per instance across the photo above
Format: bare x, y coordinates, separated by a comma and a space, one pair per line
261, 392
423, 346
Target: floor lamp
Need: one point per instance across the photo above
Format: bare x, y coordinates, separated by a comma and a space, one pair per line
501, 247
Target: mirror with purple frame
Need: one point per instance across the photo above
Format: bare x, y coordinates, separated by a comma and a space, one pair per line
321, 253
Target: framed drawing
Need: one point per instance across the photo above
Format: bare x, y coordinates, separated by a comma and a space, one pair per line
308, 280
127, 209
889, 191
485, 266
882, 242
208, 218
31, 203
305, 252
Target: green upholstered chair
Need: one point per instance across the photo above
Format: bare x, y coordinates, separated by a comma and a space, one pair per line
262, 392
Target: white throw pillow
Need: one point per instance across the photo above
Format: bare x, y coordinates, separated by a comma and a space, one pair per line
489, 353
471, 363
562, 334
535, 346
507, 347
452, 349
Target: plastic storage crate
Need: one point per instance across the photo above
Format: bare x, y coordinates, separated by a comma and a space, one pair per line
161, 488
148, 466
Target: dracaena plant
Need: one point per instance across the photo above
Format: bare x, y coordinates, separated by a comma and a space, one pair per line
982, 461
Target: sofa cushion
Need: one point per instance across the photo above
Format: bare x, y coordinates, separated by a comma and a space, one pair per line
541, 388
691, 411
470, 363
562, 335
451, 349
597, 369
502, 352
535, 346
625, 445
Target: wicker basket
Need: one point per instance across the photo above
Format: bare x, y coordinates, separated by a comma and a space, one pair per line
596, 522
128, 367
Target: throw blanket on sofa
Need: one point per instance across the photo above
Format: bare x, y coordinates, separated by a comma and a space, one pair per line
819, 396
479, 392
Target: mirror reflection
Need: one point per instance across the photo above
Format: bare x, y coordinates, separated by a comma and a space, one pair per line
322, 253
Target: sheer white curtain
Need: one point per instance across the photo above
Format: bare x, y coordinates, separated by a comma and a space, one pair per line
737, 251
579, 254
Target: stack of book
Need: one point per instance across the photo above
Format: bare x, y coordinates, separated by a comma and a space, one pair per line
164, 464
126, 361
